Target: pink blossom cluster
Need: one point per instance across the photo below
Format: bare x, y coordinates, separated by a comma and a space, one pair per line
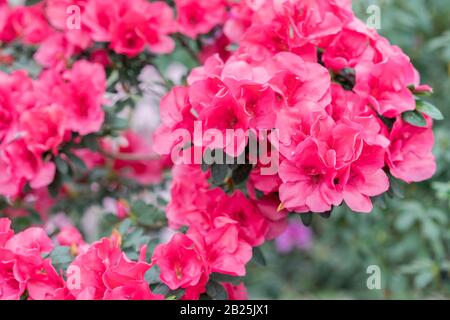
64, 28
223, 229
331, 93
334, 91
38, 116
23, 268
100, 271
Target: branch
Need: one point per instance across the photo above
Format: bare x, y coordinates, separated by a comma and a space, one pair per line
125, 156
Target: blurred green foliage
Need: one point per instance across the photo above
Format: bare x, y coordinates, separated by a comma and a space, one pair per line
409, 238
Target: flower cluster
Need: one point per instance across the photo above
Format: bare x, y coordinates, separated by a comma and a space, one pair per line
223, 229
335, 92
23, 268
338, 106
100, 271
38, 116
65, 28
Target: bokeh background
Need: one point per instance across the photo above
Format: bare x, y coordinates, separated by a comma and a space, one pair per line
407, 236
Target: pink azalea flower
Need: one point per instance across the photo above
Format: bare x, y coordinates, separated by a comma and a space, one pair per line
349, 48
48, 285
69, 236
80, 91
55, 51
195, 17
365, 178
144, 25
106, 272
30, 23
385, 84
43, 128
308, 174
22, 164
226, 251
7, 31
5, 231
253, 226
410, 156
21, 259
182, 264
192, 201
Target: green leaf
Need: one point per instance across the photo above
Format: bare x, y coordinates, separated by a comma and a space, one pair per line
219, 173
241, 173
61, 257
429, 109
77, 161
61, 165
125, 226
31, 2
176, 294
55, 186
205, 167
160, 288
326, 215
152, 275
414, 118
147, 214
220, 277
216, 291
306, 218
396, 188
119, 123
112, 79
423, 279
91, 142
258, 256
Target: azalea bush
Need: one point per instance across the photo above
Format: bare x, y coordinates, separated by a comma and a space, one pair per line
148, 149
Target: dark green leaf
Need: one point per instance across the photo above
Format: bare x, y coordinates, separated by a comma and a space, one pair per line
220, 277
326, 215
176, 294
31, 2
258, 256
125, 226
160, 288
77, 161
429, 109
306, 218
55, 186
61, 257
396, 188
119, 123
91, 142
61, 165
147, 214
414, 118
152, 275
219, 173
216, 291
241, 173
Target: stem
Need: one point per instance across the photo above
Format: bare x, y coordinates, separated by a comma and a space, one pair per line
166, 82
188, 48
125, 156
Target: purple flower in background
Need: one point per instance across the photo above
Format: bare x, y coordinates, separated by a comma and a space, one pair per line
296, 236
